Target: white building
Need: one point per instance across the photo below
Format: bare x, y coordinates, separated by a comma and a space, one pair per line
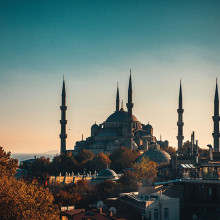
153, 206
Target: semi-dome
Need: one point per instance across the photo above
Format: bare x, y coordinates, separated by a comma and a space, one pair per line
120, 116
107, 173
158, 156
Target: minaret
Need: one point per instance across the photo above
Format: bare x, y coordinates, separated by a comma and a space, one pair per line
63, 120
130, 119
180, 123
117, 99
215, 118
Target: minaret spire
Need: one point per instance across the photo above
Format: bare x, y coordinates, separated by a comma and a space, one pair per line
216, 119
180, 97
180, 123
117, 99
130, 119
130, 104
63, 120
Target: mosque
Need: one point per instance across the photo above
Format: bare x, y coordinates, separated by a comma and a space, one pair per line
121, 128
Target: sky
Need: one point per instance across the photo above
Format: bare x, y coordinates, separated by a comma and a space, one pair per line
95, 44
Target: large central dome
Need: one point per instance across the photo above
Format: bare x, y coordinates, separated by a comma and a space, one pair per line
120, 116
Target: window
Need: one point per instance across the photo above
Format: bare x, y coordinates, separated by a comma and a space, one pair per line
155, 214
166, 214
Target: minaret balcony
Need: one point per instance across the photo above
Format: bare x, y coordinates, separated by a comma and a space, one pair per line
63, 135
130, 105
216, 118
63, 108
180, 123
216, 135
63, 121
180, 111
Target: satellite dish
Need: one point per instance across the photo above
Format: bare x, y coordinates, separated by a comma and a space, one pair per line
112, 210
100, 204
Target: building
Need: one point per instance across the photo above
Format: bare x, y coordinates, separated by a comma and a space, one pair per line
121, 128
94, 214
153, 206
106, 174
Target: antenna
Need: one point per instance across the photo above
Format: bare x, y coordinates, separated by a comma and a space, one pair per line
100, 204
112, 210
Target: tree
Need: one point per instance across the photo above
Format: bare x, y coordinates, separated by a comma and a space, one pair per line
99, 162
40, 169
81, 194
8, 165
122, 158
19, 200
128, 182
63, 163
146, 170
171, 151
185, 148
106, 189
84, 156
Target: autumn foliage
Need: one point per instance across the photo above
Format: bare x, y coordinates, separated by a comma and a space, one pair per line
21, 200
8, 165
145, 170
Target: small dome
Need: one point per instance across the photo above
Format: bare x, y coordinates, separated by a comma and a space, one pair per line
148, 126
95, 125
158, 156
120, 116
107, 133
107, 173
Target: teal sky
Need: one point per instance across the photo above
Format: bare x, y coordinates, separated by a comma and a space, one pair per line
95, 43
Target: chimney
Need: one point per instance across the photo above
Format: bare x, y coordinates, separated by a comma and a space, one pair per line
192, 143
145, 145
197, 154
210, 152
